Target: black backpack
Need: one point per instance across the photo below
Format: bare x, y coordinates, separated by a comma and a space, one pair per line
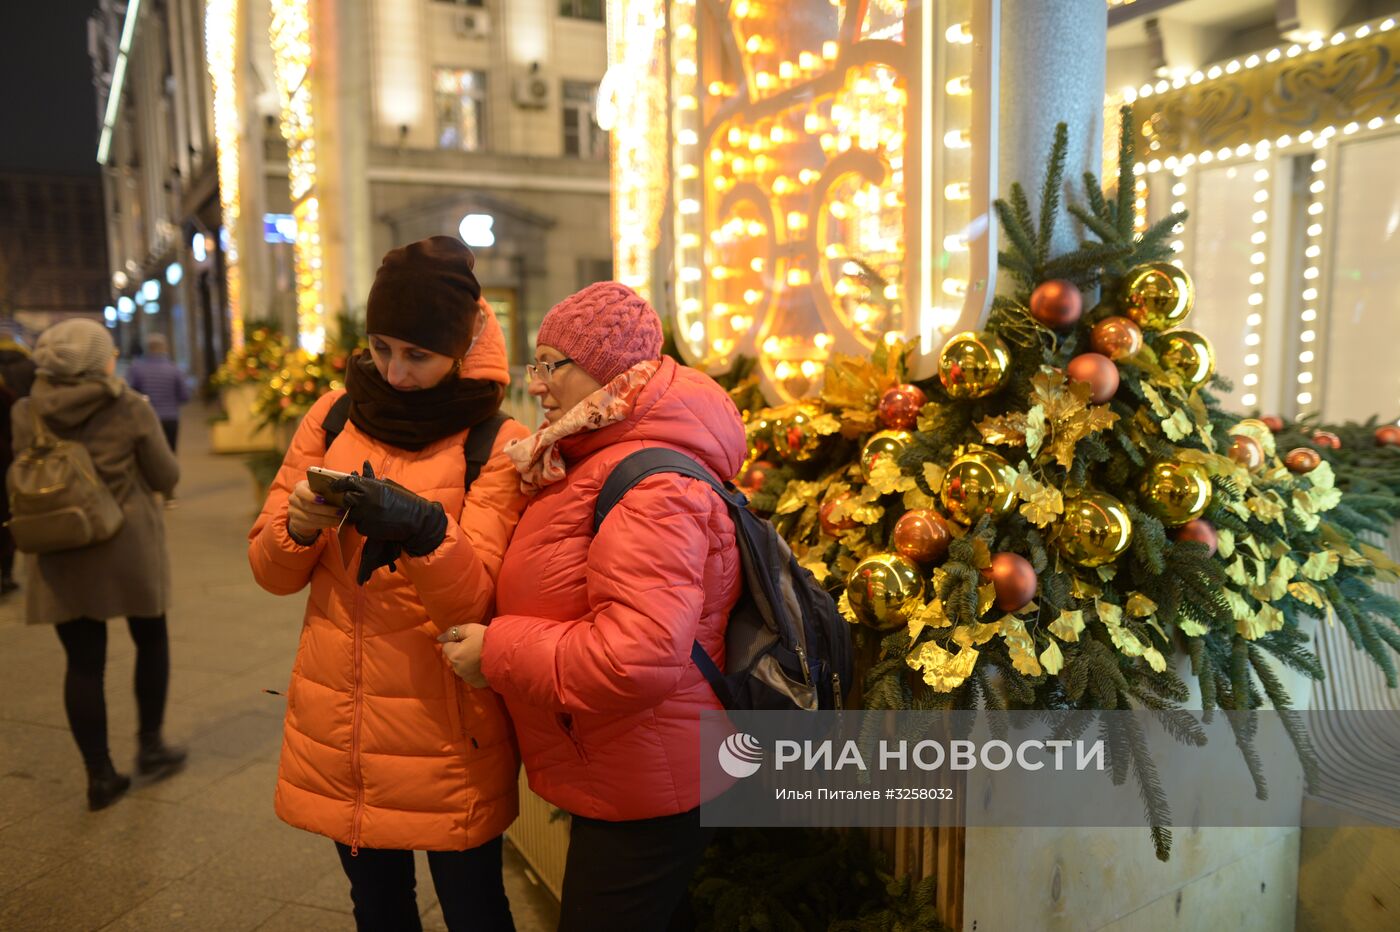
477, 446
787, 646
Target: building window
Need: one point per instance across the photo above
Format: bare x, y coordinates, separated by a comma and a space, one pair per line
582, 9
583, 137
459, 96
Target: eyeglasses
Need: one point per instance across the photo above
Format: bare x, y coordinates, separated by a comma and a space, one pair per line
544, 370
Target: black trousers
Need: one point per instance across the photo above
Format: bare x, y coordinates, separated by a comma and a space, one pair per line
84, 690
172, 432
635, 875
469, 886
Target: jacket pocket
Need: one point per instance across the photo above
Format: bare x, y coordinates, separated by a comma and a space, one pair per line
569, 727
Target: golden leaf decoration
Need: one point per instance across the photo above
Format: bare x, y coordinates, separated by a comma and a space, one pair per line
1042, 503
1052, 659
819, 570
1037, 426
843, 605
1110, 614
917, 498
1179, 426
986, 598
1068, 626
1267, 619
1324, 564
970, 635
929, 615
888, 478
981, 554
1020, 645
1007, 429
943, 671
1192, 628
1225, 542
1140, 606
825, 425
933, 476
1154, 659
1306, 593
1239, 608
798, 495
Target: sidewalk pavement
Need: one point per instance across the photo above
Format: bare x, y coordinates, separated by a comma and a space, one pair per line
201, 850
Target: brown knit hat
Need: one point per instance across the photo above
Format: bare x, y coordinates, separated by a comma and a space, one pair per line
426, 293
606, 329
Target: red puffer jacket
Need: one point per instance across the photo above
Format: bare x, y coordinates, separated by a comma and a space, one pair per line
591, 643
384, 747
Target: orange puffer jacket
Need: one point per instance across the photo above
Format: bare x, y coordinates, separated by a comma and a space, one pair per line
384, 747
591, 642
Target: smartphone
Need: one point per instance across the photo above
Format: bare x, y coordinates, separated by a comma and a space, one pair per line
321, 479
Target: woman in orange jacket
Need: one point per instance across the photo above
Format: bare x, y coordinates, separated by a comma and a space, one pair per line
385, 750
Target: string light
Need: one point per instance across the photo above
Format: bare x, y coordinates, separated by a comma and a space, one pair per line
1308, 294
290, 35
220, 33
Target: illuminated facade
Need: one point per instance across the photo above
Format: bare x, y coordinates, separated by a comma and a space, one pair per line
824, 189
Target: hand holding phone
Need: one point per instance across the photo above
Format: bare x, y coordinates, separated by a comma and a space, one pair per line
322, 482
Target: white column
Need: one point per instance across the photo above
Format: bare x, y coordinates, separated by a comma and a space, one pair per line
1052, 70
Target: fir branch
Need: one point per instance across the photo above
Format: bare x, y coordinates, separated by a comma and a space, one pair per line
1050, 194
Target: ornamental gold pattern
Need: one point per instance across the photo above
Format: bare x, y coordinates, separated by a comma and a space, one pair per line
1353, 82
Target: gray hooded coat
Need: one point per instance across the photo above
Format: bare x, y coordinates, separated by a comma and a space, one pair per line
129, 574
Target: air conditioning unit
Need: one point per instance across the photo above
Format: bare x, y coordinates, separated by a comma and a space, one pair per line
531, 91
472, 24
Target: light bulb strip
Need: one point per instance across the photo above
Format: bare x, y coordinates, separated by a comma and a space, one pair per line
290, 36
220, 34
1310, 305
687, 192
1258, 276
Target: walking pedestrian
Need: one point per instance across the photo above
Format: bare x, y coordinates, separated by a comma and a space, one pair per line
78, 397
156, 376
591, 642
385, 751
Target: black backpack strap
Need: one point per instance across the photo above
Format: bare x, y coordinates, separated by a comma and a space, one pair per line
336, 418
643, 464
480, 440
632, 470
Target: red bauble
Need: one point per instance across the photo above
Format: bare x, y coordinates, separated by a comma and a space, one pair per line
1099, 371
1273, 422
899, 406
1302, 460
1246, 451
1116, 337
1325, 438
1014, 579
834, 528
753, 478
1057, 304
1388, 436
1202, 532
923, 536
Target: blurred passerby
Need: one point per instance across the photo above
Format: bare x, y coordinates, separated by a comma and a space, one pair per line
156, 376
79, 398
385, 751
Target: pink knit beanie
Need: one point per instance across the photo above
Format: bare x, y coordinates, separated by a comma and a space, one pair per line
606, 329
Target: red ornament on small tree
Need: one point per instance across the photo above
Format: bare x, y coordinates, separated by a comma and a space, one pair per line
1273, 422
753, 478
1057, 304
1302, 460
831, 527
1388, 435
1099, 371
1325, 438
922, 535
1014, 579
899, 406
1202, 532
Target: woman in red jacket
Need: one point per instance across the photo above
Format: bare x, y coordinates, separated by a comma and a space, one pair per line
592, 637
385, 750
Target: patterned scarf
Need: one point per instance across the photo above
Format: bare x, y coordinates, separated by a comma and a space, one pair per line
537, 457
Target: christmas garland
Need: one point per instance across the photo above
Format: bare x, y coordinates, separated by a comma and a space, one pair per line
1066, 507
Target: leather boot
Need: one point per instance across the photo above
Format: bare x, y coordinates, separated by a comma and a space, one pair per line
105, 786
158, 758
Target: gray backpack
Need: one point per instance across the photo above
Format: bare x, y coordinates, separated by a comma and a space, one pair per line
57, 500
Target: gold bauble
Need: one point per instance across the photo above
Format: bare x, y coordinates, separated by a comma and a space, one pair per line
793, 435
1175, 493
1094, 530
1157, 295
1188, 354
884, 590
978, 483
887, 444
974, 364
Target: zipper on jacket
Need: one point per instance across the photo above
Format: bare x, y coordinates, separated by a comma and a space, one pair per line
357, 696
566, 722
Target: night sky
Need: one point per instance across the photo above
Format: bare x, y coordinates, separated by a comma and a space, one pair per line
48, 113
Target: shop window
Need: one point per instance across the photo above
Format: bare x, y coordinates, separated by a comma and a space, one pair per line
459, 98
583, 137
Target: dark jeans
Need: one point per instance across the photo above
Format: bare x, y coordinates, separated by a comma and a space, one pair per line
172, 432
469, 886
84, 699
632, 875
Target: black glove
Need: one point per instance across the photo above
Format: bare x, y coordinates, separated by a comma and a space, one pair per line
376, 553
387, 513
